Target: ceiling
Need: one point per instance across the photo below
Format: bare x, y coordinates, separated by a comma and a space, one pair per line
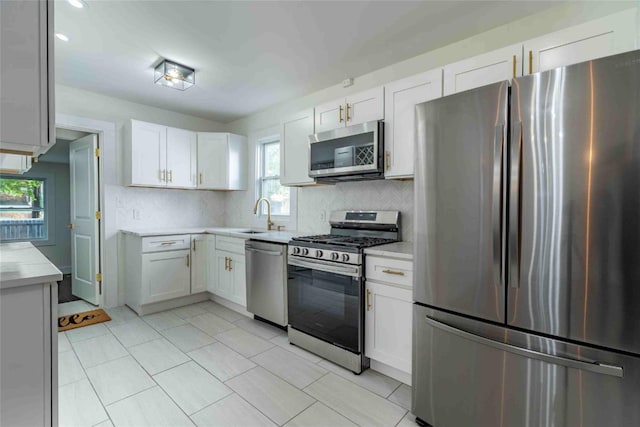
249, 55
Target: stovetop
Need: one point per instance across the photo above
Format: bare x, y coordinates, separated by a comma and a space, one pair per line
350, 241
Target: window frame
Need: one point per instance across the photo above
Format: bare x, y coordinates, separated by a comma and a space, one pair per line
49, 207
260, 139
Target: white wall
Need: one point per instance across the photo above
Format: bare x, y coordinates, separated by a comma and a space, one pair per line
158, 207
398, 195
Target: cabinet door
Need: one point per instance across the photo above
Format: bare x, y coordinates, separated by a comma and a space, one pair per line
401, 98
388, 325
181, 158
212, 160
330, 115
365, 106
224, 283
237, 267
199, 263
294, 149
148, 154
165, 275
27, 122
481, 70
14, 163
595, 39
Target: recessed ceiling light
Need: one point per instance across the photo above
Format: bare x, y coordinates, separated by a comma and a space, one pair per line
80, 4
62, 37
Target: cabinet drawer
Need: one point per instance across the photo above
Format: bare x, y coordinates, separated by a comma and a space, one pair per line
396, 271
230, 244
166, 243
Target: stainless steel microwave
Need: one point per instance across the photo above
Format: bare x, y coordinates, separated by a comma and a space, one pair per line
351, 153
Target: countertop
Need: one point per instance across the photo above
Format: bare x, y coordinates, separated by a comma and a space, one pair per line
22, 264
400, 250
269, 236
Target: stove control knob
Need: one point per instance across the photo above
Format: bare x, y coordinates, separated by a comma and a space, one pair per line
296, 250
305, 251
345, 257
334, 256
318, 254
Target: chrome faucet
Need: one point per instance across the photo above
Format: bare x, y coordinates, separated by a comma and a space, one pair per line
255, 211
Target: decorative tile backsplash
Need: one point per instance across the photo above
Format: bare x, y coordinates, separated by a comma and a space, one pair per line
159, 207
363, 195
312, 201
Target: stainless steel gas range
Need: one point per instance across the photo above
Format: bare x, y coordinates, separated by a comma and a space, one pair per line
326, 285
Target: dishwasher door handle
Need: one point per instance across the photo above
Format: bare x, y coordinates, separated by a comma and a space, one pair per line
261, 251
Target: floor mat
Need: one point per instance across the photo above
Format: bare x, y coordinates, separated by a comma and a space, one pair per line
78, 320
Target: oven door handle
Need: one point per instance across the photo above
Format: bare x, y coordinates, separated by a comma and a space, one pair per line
350, 270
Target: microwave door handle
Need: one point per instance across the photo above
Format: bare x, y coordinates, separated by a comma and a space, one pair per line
344, 270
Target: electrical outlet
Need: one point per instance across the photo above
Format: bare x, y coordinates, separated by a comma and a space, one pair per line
347, 82
136, 214
323, 216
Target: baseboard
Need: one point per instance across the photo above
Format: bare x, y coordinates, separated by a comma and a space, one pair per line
145, 309
390, 371
230, 305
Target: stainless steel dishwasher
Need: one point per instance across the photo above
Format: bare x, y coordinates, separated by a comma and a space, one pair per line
266, 265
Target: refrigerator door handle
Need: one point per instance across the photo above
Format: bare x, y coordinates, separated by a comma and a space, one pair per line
498, 148
591, 366
515, 211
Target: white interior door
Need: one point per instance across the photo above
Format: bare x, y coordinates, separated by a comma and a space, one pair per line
85, 237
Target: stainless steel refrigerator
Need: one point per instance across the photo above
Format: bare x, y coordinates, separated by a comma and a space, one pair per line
527, 251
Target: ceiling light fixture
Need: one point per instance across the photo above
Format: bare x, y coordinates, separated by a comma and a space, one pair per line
174, 75
62, 37
80, 4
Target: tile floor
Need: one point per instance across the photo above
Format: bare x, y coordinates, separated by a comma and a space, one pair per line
206, 365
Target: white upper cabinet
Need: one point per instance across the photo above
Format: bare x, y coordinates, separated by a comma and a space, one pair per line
14, 163
222, 161
27, 122
357, 108
160, 156
481, 70
146, 155
400, 99
594, 39
294, 149
181, 158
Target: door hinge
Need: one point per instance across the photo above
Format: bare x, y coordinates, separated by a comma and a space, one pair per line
98, 215
97, 152
99, 277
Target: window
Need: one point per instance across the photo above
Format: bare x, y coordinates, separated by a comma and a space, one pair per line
268, 185
22, 209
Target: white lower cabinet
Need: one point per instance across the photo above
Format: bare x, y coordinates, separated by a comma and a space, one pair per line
200, 270
165, 275
158, 269
388, 319
227, 269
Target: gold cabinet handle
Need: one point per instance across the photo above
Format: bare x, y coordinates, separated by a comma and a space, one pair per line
200, 177
396, 273
171, 175
530, 62
514, 66
71, 226
230, 268
340, 113
167, 243
226, 263
369, 300
163, 175
386, 158
348, 109
188, 256
194, 245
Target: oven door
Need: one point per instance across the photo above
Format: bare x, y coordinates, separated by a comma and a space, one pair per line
325, 301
